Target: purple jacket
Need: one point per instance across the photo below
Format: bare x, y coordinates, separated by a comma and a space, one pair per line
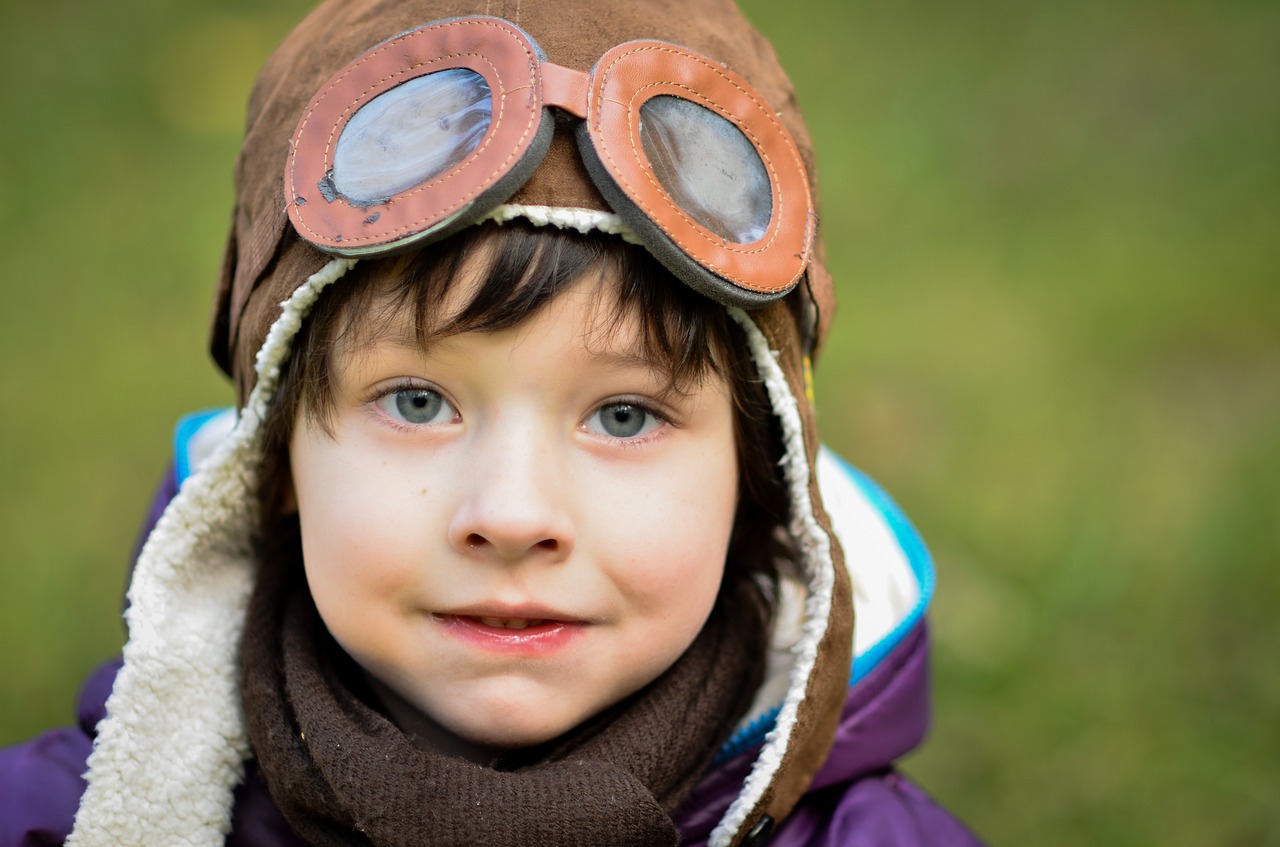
857, 798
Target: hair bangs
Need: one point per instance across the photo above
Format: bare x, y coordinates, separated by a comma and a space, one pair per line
492, 278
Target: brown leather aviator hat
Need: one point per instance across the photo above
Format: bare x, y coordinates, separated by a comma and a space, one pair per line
551, 92
265, 252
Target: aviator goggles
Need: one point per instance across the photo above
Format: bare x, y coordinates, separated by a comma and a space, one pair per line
429, 131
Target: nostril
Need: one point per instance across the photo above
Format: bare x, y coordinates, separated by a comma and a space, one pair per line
483, 543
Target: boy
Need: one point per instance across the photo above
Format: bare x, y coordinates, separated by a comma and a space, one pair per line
522, 533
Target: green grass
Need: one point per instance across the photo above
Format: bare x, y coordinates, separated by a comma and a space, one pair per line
1054, 230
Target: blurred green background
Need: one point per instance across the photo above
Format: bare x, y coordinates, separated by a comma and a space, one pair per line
1056, 233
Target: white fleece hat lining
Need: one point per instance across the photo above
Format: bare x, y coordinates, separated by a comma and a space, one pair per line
170, 753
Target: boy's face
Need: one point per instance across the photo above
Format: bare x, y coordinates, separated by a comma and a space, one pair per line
512, 531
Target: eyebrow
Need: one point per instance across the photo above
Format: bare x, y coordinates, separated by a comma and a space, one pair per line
625, 359
403, 336
398, 334
671, 387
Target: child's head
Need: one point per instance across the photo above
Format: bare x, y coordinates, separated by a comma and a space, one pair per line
520, 459
652, 178
600, 436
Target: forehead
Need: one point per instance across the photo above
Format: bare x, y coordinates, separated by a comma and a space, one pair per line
418, 314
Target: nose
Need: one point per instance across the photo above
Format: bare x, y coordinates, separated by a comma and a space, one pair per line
512, 505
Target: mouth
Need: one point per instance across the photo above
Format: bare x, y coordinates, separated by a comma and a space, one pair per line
509, 623
529, 632
510, 615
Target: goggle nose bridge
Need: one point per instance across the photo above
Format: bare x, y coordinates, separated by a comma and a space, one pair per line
565, 88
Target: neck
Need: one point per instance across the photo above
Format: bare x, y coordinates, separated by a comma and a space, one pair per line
426, 734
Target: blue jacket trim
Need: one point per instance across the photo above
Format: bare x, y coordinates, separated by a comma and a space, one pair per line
186, 430
919, 559
921, 564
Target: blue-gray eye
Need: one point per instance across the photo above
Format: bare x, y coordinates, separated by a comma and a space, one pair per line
416, 406
623, 420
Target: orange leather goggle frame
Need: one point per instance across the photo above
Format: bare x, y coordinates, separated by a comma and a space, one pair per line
523, 86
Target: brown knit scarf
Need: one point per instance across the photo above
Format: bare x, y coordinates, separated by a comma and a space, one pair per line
343, 774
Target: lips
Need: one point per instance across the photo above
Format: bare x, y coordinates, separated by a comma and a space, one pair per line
531, 633
510, 623
511, 615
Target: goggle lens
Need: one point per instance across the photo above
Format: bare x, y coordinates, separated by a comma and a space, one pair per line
406, 136
710, 169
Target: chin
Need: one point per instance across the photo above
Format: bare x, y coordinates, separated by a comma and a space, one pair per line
506, 735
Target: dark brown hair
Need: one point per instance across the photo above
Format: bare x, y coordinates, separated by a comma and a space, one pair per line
521, 269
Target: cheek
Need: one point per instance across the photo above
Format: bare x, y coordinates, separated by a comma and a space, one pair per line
353, 517
674, 537
362, 568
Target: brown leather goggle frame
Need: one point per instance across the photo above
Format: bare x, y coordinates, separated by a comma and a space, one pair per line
524, 86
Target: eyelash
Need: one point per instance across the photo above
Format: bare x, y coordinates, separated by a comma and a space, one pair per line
402, 386
664, 421
662, 418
